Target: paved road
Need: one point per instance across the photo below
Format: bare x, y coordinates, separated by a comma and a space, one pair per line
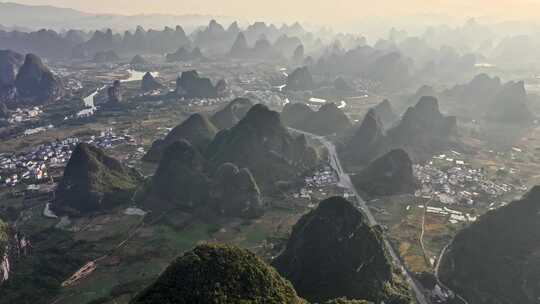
438, 266
345, 181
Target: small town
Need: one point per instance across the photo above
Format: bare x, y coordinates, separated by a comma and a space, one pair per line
33, 166
456, 183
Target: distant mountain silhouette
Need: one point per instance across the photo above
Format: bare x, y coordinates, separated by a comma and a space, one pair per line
390, 69
191, 85
329, 119
488, 98
421, 132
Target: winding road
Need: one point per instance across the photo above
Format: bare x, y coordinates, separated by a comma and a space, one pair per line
438, 266
345, 181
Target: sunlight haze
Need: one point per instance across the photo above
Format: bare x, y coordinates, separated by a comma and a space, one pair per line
306, 10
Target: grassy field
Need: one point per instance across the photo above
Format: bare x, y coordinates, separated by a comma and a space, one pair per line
402, 218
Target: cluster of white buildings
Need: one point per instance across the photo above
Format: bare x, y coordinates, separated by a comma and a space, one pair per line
22, 115
322, 178
455, 216
33, 166
456, 183
33, 131
204, 102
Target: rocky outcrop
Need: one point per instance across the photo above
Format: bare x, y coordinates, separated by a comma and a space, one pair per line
191, 85
342, 86
298, 55
197, 129
235, 192
487, 98
286, 44
391, 174
10, 63
329, 119
114, 93
333, 252
93, 182
391, 70
138, 60
222, 87
264, 50
300, 80
368, 141
5, 261
495, 259
140, 41
424, 90
214, 38
229, 116
476, 94
150, 83
240, 48
43, 42
180, 180
422, 132
296, 114
510, 105
183, 54
386, 113
36, 84
3, 241
4, 111
261, 143
218, 274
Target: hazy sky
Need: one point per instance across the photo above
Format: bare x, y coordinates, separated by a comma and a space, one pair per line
316, 11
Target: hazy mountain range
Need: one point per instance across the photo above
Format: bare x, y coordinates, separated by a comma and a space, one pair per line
19, 16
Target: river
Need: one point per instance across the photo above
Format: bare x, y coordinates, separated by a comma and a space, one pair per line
90, 107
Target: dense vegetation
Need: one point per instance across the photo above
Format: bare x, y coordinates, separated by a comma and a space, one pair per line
219, 274
263, 144
333, 253
329, 119
496, 260
391, 174
3, 237
197, 129
94, 181
37, 277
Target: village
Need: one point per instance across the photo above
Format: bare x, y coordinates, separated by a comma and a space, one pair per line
34, 165
456, 182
